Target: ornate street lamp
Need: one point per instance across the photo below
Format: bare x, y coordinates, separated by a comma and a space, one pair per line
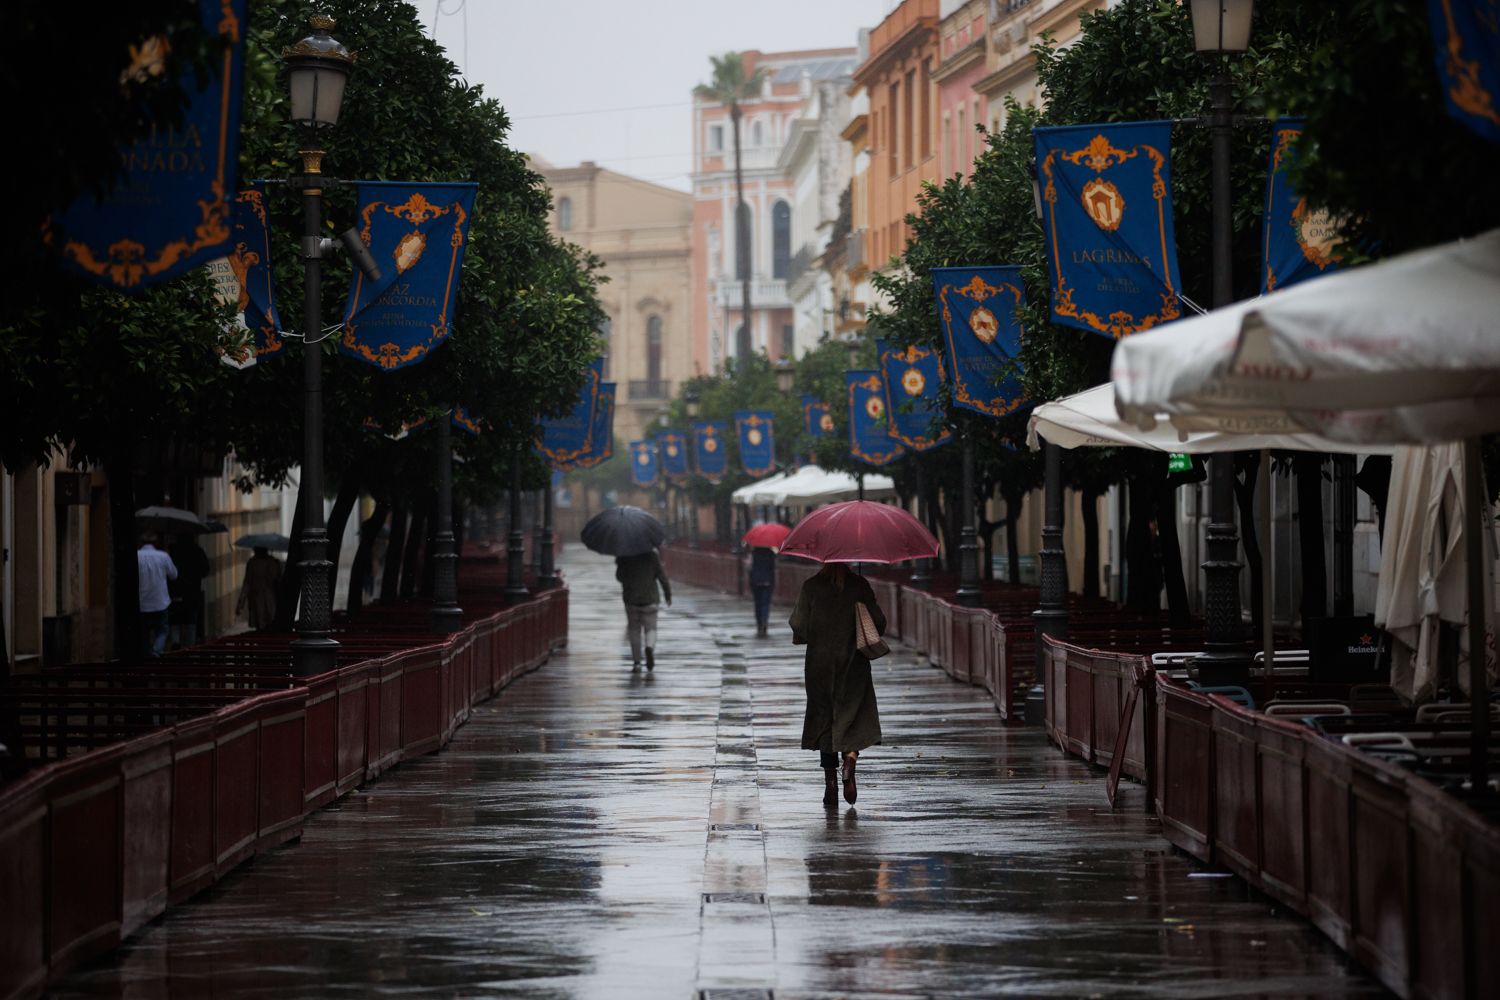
856, 348
786, 375
690, 404
1222, 28
317, 68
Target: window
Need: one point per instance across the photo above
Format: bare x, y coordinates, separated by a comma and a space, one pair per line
964, 160
758, 133
742, 242
716, 138
564, 214
605, 332
926, 98
653, 350
788, 341
781, 238
907, 120
978, 142
949, 157
891, 144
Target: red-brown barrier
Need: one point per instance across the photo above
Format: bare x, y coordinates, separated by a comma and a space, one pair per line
95, 844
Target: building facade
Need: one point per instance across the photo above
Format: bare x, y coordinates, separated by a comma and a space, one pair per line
768, 126
1009, 65
961, 64
641, 231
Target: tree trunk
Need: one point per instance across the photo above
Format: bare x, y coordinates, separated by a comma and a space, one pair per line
125, 585
364, 556
1309, 473
742, 244
411, 558
390, 572
1170, 547
1090, 511
1013, 504
290, 588
338, 521
1143, 593
1244, 497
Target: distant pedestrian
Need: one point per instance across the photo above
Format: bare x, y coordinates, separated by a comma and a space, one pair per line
154, 568
639, 577
762, 584
258, 593
842, 718
187, 590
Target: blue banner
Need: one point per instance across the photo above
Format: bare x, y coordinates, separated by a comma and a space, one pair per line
672, 447
242, 278
1299, 242
563, 439
709, 439
417, 234
643, 463
913, 411
757, 443
869, 436
1466, 44
602, 447
977, 306
172, 210
1107, 223
816, 418
466, 422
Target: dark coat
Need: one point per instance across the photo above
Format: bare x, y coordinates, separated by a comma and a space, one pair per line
762, 567
841, 712
639, 575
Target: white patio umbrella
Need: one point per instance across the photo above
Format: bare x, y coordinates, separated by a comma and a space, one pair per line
1403, 351
834, 487
773, 491
745, 494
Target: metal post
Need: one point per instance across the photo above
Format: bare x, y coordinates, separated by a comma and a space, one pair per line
1228, 654
1051, 615
1476, 524
447, 616
536, 538
313, 651
548, 576
969, 595
1343, 535
921, 574
693, 528
859, 479
515, 550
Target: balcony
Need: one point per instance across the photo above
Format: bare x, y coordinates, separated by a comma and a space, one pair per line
645, 388
765, 293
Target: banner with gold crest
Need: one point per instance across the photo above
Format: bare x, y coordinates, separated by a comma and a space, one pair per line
242, 278
672, 447
171, 209
1466, 44
563, 440
1299, 242
757, 442
911, 377
816, 418
602, 445
709, 437
977, 307
870, 440
643, 468
417, 234
1107, 221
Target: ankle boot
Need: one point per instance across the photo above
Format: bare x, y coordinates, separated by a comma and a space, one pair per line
851, 791
830, 787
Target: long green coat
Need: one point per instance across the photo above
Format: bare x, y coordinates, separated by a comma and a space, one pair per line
841, 712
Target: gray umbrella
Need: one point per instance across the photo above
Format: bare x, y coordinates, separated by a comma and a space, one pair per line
170, 519
623, 531
264, 540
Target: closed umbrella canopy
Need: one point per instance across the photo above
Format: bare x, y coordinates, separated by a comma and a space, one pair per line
623, 531
860, 531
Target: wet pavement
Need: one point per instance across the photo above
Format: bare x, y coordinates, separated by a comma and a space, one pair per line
595, 833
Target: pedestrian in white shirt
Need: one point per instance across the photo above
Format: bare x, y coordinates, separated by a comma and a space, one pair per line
155, 568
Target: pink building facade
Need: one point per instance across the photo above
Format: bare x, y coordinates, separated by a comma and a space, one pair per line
961, 64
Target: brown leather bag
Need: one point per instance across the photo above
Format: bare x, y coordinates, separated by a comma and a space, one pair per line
866, 637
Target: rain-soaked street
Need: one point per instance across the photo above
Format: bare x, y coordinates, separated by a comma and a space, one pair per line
597, 833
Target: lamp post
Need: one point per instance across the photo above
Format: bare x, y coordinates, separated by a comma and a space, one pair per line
856, 348
690, 407
968, 594
515, 548
318, 66
446, 615
1221, 28
1051, 615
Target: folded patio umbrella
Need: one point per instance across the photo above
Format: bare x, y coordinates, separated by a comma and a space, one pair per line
768, 535
274, 541
860, 531
170, 519
623, 531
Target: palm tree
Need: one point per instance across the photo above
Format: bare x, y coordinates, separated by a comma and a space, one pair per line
730, 86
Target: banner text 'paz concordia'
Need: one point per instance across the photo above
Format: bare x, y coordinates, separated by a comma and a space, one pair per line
757, 441
1107, 223
643, 468
869, 438
563, 440
709, 437
911, 377
417, 234
172, 208
977, 307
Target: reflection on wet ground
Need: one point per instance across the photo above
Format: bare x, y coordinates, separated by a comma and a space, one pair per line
597, 833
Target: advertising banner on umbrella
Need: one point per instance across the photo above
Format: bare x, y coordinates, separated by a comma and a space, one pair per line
242, 279
911, 378
643, 463
602, 446
417, 234
1107, 222
172, 208
982, 335
816, 418
757, 443
1298, 241
672, 447
870, 440
709, 438
1466, 44
563, 439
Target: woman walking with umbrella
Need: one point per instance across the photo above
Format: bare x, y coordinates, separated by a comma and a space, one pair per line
840, 622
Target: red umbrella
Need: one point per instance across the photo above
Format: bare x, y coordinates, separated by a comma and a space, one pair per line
766, 535
860, 531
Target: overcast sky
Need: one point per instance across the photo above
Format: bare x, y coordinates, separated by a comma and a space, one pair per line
611, 80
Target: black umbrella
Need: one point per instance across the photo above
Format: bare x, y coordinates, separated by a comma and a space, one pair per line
173, 520
623, 531
265, 540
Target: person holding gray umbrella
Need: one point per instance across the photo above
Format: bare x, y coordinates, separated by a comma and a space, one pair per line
632, 535
258, 593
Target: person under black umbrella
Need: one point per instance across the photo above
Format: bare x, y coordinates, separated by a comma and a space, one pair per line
639, 577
